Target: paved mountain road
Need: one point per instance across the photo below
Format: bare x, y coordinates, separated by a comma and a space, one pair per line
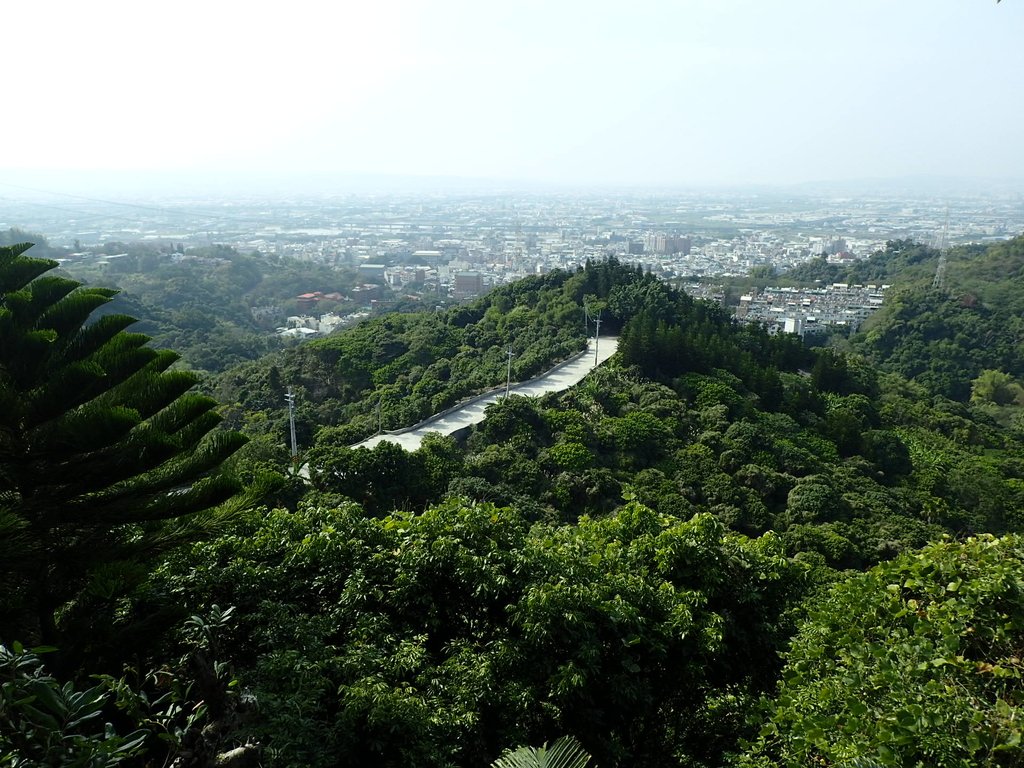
561, 377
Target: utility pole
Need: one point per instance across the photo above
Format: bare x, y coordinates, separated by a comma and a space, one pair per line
508, 374
290, 399
597, 334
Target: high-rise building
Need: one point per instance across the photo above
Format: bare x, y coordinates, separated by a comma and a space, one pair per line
468, 284
668, 244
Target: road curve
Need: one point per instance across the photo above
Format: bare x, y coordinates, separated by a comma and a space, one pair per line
560, 377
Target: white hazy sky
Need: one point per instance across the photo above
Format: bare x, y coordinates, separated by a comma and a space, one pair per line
644, 92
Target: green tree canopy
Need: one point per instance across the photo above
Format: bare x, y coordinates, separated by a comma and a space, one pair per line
915, 663
442, 638
994, 386
106, 458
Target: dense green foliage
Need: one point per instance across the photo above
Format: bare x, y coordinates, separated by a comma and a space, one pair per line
183, 706
443, 637
106, 459
915, 663
43, 722
703, 415
943, 341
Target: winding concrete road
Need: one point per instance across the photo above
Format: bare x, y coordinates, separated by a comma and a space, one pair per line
558, 378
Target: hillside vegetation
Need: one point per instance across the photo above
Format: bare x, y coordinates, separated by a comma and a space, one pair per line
943, 338
201, 303
412, 365
721, 548
701, 415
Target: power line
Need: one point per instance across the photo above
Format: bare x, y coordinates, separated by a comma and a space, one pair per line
136, 206
79, 214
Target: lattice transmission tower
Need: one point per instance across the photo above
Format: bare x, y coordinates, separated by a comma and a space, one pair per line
939, 281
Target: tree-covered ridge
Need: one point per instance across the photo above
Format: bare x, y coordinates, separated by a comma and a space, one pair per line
413, 365
943, 338
702, 415
944, 342
200, 303
901, 261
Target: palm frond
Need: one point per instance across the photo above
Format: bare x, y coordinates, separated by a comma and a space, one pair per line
566, 752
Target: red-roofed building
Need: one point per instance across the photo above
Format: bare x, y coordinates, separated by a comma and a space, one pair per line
306, 301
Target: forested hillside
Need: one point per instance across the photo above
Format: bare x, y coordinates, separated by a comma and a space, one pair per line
944, 338
902, 261
941, 337
412, 365
721, 548
201, 303
701, 415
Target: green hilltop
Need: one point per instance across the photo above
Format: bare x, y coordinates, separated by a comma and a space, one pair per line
944, 337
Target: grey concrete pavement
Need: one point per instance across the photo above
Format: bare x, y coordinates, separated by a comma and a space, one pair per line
562, 377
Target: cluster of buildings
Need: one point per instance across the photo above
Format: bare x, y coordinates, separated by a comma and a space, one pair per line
459, 247
308, 326
430, 271
469, 266
457, 252
451, 247
806, 311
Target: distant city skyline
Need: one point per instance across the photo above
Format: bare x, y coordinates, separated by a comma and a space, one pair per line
646, 94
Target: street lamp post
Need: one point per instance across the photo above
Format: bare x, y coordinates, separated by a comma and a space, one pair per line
508, 373
290, 399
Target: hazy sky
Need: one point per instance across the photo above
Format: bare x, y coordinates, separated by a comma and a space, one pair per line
641, 92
